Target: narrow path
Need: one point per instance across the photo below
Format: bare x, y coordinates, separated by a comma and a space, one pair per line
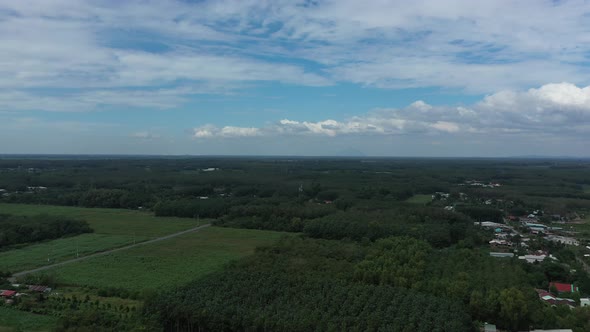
102, 253
584, 265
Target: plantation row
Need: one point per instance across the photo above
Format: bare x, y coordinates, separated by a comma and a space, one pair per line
393, 284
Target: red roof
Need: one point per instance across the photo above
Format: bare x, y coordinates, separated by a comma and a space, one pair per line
563, 288
8, 293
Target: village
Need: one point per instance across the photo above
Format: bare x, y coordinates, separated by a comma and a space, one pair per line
534, 237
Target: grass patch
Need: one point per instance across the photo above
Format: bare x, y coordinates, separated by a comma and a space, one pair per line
420, 199
167, 263
112, 228
109, 221
59, 250
15, 320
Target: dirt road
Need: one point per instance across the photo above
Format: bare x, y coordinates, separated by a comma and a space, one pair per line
102, 253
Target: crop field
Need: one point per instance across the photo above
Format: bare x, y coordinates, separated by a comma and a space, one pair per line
168, 263
112, 228
14, 320
109, 221
40, 254
419, 199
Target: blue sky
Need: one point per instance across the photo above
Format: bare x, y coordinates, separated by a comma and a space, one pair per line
383, 78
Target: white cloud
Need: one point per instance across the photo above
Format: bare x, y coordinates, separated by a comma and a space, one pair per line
552, 108
210, 131
145, 135
476, 46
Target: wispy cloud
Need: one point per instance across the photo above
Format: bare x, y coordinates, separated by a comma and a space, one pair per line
475, 46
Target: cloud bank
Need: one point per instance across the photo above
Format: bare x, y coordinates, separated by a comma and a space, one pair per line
551, 109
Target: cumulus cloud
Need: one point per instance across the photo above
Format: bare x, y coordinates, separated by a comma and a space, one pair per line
551, 108
210, 131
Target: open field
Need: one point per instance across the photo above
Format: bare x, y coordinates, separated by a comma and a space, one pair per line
168, 263
14, 320
420, 199
109, 221
112, 228
59, 250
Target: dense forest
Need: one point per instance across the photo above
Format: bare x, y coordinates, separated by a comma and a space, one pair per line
23, 230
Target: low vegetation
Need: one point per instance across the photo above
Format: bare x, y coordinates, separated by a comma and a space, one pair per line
164, 264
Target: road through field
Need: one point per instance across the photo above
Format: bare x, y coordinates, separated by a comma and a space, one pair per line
166, 237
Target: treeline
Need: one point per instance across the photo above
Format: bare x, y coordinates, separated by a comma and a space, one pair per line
134, 182
438, 227
92, 198
27, 229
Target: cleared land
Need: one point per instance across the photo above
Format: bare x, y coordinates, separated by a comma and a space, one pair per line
167, 263
109, 221
419, 199
112, 228
14, 320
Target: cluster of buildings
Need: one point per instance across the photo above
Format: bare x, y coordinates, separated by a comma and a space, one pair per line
476, 183
30, 190
553, 234
8, 296
503, 246
561, 288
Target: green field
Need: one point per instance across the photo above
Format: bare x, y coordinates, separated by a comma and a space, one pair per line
109, 221
420, 199
61, 249
112, 228
14, 320
168, 263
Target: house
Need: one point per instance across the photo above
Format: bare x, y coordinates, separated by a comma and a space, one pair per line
489, 224
487, 327
533, 258
563, 288
7, 293
547, 297
39, 289
563, 239
501, 254
496, 242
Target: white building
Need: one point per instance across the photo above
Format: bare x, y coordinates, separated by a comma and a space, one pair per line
563, 239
